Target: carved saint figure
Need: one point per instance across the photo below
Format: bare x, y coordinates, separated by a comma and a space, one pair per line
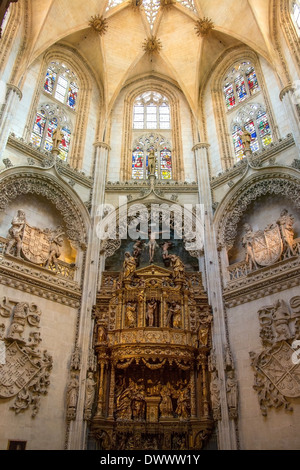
215, 396
55, 247
246, 139
183, 402
151, 311
285, 223
231, 389
151, 162
89, 392
129, 266
178, 267
123, 402
174, 316
165, 249
130, 315
138, 402
137, 250
203, 331
247, 242
57, 137
15, 233
72, 391
166, 405
101, 334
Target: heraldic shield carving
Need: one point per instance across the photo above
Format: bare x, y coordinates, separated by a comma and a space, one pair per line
267, 245
24, 367
35, 244
277, 367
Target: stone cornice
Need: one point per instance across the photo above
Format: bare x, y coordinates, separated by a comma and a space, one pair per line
102, 145
46, 285
63, 168
285, 90
15, 89
266, 281
201, 145
138, 186
240, 167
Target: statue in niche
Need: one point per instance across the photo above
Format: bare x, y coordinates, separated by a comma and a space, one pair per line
178, 267
15, 233
285, 223
247, 242
232, 393
151, 162
246, 139
183, 401
203, 330
138, 403
19, 320
166, 405
130, 315
123, 402
72, 393
129, 266
89, 394
174, 316
101, 334
151, 311
56, 242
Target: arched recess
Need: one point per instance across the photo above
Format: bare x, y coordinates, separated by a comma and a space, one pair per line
69, 56
172, 94
20, 180
227, 59
282, 18
280, 181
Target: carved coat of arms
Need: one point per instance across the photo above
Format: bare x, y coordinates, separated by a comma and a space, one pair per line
277, 373
267, 245
36, 244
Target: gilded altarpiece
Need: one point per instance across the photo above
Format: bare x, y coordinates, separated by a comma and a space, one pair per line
152, 341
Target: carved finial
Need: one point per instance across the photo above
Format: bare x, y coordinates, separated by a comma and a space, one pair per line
99, 24
203, 27
152, 45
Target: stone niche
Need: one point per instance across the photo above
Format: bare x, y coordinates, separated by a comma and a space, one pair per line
39, 213
261, 213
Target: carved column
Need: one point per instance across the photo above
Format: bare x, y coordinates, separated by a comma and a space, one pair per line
101, 389
13, 95
227, 435
286, 96
111, 393
91, 271
205, 389
193, 393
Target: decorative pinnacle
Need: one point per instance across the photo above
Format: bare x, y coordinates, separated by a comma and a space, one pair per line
203, 27
99, 24
152, 45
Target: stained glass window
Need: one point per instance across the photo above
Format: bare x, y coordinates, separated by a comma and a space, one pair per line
257, 124
240, 83
166, 164
163, 156
44, 125
151, 111
61, 83
137, 164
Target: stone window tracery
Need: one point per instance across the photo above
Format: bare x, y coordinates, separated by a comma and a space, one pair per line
162, 150
151, 111
296, 14
62, 84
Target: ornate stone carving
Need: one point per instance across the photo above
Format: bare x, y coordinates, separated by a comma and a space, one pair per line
90, 388
72, 396
276, 368
265, 247
203, 27
25, 372
36, 245
7, 163
152, 45
76, 359
296, 164
99, 24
